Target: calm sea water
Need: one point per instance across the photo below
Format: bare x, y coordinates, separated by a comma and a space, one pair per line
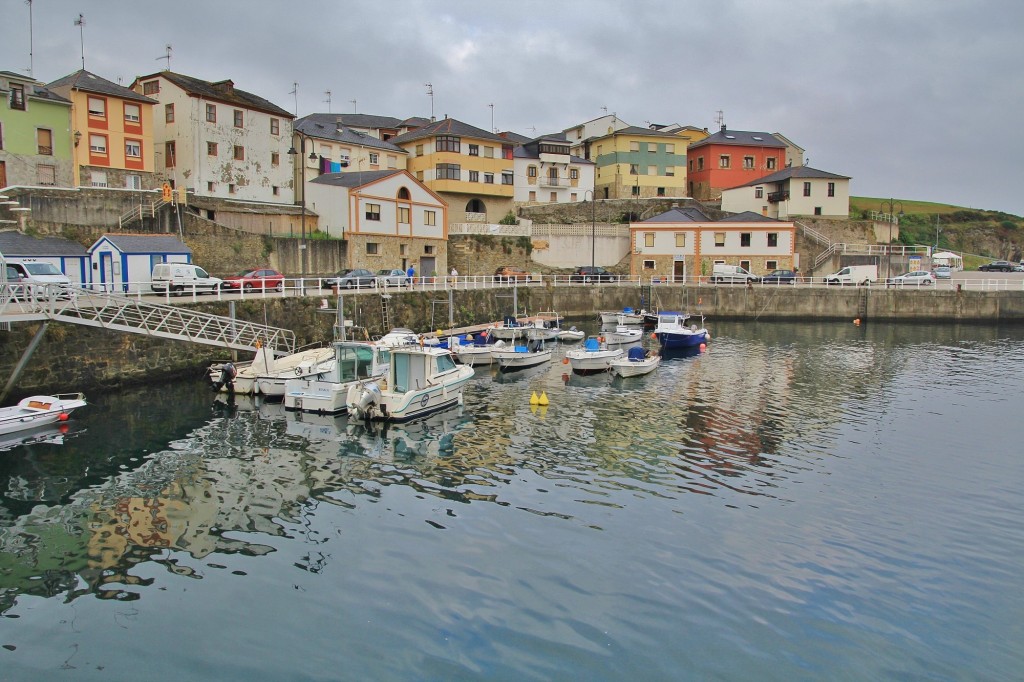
800, 502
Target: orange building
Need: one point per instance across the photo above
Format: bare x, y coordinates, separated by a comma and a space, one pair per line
112, 132
731, 158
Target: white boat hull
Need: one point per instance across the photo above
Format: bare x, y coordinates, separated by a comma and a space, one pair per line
512, 360
624, 367
39, 410
592, 361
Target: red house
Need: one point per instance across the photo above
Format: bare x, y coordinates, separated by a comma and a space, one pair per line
730, 158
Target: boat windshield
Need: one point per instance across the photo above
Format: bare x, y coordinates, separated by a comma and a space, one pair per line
445, 363
355, 362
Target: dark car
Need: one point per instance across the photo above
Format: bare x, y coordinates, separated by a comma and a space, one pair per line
780, 277
509, 273
255, 279
352, 279
997, 266
591, 273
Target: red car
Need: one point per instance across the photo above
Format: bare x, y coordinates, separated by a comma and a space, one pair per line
255, 279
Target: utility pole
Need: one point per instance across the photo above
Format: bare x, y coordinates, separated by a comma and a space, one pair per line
80, 23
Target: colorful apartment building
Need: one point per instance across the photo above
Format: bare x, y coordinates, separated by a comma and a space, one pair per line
35, 134
730, 158
470, 168
112, 132
639, 162
790, 192
220, 141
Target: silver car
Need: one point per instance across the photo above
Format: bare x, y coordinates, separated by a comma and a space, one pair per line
391, 278
918, 278
943, 272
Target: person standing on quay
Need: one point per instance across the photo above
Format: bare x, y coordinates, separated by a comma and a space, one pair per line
411, 275
455, 276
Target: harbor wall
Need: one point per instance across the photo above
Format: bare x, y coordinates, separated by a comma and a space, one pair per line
73, 357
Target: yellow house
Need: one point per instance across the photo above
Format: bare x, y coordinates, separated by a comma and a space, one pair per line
471, 169
640, 162
112, 132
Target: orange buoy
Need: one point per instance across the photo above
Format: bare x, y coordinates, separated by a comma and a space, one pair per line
654, 335
63, 416
703, 347
565, 361
856, 322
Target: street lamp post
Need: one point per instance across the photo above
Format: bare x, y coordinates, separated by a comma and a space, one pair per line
301, 156
593, 225
892, 217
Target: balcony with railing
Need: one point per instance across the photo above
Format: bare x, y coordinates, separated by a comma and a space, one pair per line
776, 197
549, 181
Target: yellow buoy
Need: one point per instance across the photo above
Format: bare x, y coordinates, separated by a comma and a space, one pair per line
534, 400
543, 398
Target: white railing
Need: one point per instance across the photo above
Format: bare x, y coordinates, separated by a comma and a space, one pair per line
489, 228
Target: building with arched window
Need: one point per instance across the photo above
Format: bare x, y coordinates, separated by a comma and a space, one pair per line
387, 218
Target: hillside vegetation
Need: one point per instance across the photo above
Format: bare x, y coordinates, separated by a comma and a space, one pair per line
984, 234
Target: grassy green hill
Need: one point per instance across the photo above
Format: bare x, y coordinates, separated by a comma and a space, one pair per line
986, 234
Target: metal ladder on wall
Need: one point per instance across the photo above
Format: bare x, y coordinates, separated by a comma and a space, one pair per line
385, 314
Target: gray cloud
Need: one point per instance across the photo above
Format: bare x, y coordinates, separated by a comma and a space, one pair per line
911, 98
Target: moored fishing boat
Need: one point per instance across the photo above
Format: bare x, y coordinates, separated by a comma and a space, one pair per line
624, 316
623, 336
39, 410
419, 381
636, 363
673, 332
514, 358
327, 393
593, 357
571, 335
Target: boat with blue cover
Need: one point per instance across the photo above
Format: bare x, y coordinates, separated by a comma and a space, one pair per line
638, 361
673, 331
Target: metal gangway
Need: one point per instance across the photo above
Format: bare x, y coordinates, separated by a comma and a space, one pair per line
52, 303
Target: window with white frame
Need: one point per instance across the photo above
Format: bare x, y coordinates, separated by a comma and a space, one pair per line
374, 159
373, 211
771, 264
98, 144
133, 181
648, 265
169, 113
831, 189
133, 149
773, 239
474, 176
724, 161
745, 239
239, 119
634, 146
403, 215
488, 152
770, 163
488, 178
759, 192
430, 217
98, 178
97, 107
275, 126
372, 248
132, 113
474, 150
211, 113
748, 163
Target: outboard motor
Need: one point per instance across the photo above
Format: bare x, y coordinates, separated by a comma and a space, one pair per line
361, 397
227, 377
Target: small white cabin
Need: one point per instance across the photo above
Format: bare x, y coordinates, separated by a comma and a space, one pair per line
124, 262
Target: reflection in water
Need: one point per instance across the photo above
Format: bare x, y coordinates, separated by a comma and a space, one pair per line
743, 425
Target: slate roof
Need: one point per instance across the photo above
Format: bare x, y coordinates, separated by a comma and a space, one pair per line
687, 214
795, 172
35, 89
14, 244
89, 82
747, 217
222, 91
523, 152
145, 243
325, 127
636, 130
353, 178
743, 138
448, 126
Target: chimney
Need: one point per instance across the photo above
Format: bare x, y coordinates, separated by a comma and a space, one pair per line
338, 125
723, 127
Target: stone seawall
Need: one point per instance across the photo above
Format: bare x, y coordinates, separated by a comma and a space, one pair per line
73, 358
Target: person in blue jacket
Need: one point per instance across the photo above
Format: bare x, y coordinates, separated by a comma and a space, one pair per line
411, 274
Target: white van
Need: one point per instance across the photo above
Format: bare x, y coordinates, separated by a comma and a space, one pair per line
854, 274
38, 277
182, 278
732, 273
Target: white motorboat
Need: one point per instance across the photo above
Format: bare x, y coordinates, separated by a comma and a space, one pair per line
593, 357
509, 330
636, 363
623, 336
399, 336
624, 316
571, 335
474, 353
327, 392
230, 377
39, 410
673, 332
520, 357
309, 363
419, 381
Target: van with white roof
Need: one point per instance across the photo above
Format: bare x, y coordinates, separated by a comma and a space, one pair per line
182, 278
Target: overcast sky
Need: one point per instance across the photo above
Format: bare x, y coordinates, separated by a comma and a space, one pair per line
916, 99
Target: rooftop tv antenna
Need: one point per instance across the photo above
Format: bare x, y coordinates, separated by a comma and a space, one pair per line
355, 104
327, 93
30, 60
80, 23
493, 129
295, 91
167, 56
604, 109
720, 119
430, 94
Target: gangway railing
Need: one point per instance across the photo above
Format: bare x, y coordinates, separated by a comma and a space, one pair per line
124, 313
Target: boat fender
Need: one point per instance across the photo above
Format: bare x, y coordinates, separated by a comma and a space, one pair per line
63, 416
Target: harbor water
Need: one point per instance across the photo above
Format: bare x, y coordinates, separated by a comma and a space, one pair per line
799, 502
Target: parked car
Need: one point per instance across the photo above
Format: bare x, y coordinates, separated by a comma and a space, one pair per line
391, 278
915, 278
255, 279
997, 266
182, 278
509, 273
591, 273
356, 278
1018, 267
780, 277
35, 278
943, 272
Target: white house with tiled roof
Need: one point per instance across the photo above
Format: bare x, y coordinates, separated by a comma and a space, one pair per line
547, 173
218, 140
796, 191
